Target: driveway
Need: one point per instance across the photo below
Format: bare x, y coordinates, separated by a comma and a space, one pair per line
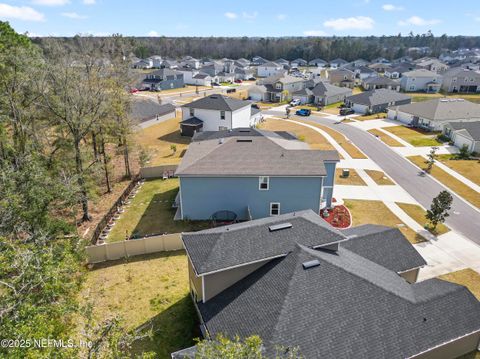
464, 219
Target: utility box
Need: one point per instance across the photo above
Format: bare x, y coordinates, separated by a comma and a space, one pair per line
345, 172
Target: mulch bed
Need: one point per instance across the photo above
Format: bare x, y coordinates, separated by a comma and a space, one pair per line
338, 217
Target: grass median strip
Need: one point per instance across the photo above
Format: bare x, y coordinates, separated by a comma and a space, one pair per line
388, 140
353, 179
348, 146
449, 181
380, 178
415, 136
417, 213
376, 212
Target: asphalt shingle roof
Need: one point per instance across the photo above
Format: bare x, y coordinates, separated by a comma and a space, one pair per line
218, 102
144, 109
326, 89
377, 97
472, 128
244, 152
442, 109
347, 307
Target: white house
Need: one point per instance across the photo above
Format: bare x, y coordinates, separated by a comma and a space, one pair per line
464, 134
270, 69
420, 80
218, 113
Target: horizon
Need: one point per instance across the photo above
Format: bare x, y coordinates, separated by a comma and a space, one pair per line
358, 18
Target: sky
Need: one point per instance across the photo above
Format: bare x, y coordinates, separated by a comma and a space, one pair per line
241, 17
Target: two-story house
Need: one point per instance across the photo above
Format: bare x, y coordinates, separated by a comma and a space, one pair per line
297, 282
217, 113
342, 78
421, 80
163, 79
277, 88
270, 69
461, 80
253, 174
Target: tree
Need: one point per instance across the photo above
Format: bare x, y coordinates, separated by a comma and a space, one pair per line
432, 155
464, 153
249, 348
439, 208
173, 147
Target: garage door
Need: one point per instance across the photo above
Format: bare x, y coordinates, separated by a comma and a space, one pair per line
460, 141
359, 108
255, 96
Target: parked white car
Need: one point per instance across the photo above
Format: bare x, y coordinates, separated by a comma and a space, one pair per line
295, 102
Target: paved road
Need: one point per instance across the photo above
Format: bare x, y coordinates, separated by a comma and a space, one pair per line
463, 219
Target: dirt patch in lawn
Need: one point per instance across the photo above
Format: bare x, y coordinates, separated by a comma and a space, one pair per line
146, 292
380, 178
415, 136
388, 140
466, 277
449, 181
353, 178
375, 212
417, 213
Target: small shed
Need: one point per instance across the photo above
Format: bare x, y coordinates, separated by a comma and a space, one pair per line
191, 125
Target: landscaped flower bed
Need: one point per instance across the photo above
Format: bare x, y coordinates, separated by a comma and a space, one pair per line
338, 217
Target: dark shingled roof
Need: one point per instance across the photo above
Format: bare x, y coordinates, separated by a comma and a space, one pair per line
472, 128
251, 152
143, 109
383, 245
194, 121
218, 102
223, 247
346, 307
378, 97
326, 89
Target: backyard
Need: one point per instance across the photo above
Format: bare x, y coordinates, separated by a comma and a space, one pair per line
158, 139
375, 212
449, 181
415, 136
151, 212
421, 96
145, 292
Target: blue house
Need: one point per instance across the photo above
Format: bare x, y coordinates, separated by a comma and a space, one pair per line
163, 79
254, 174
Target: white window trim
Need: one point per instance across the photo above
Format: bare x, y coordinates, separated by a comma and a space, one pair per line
260, 183
271, 204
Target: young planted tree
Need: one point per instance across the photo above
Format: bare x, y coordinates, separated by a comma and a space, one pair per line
432, 156
439, 208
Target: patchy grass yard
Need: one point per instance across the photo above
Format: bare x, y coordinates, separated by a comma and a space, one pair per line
240, 94
347, 145
379, 177
375, 212
449, 181
388, 140
421, 96
418, 214
375, 116
415, 136
353, 179
149, 291
151, 212
186, 89
313, 138
467, 168
466, 277
157, 139
333, 108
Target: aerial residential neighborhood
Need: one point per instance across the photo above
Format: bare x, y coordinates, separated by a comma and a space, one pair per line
239, 180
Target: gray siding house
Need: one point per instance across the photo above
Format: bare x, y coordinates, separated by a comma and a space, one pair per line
254, 174
464, 134
421, 80
295, 281
376, 101
461, 80
163, 79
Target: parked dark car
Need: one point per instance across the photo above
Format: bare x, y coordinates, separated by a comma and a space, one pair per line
252, 79
254, 105
238, 81
303, 112
346, 111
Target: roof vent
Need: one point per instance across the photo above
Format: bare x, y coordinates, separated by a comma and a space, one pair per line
279, 227
240, 140
246, 131
311, 264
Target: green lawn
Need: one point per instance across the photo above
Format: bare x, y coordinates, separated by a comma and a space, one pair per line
151, 212
414, 136
149, 292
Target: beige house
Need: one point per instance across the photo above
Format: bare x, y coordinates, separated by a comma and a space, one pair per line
341, 77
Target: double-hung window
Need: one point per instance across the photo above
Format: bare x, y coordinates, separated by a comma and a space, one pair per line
274, 208
192, 112
263, 183
222, 115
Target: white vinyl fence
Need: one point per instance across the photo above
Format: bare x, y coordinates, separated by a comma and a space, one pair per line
134, 247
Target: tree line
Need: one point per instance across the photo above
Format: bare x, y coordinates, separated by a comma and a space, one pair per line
308, 48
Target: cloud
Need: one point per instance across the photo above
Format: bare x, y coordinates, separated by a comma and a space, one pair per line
356, 22
315, 33
390, 7
418, 21
74, 15
250, 16
153, 33
20, 13
51, 2
231, 15
89, 2
281, 17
